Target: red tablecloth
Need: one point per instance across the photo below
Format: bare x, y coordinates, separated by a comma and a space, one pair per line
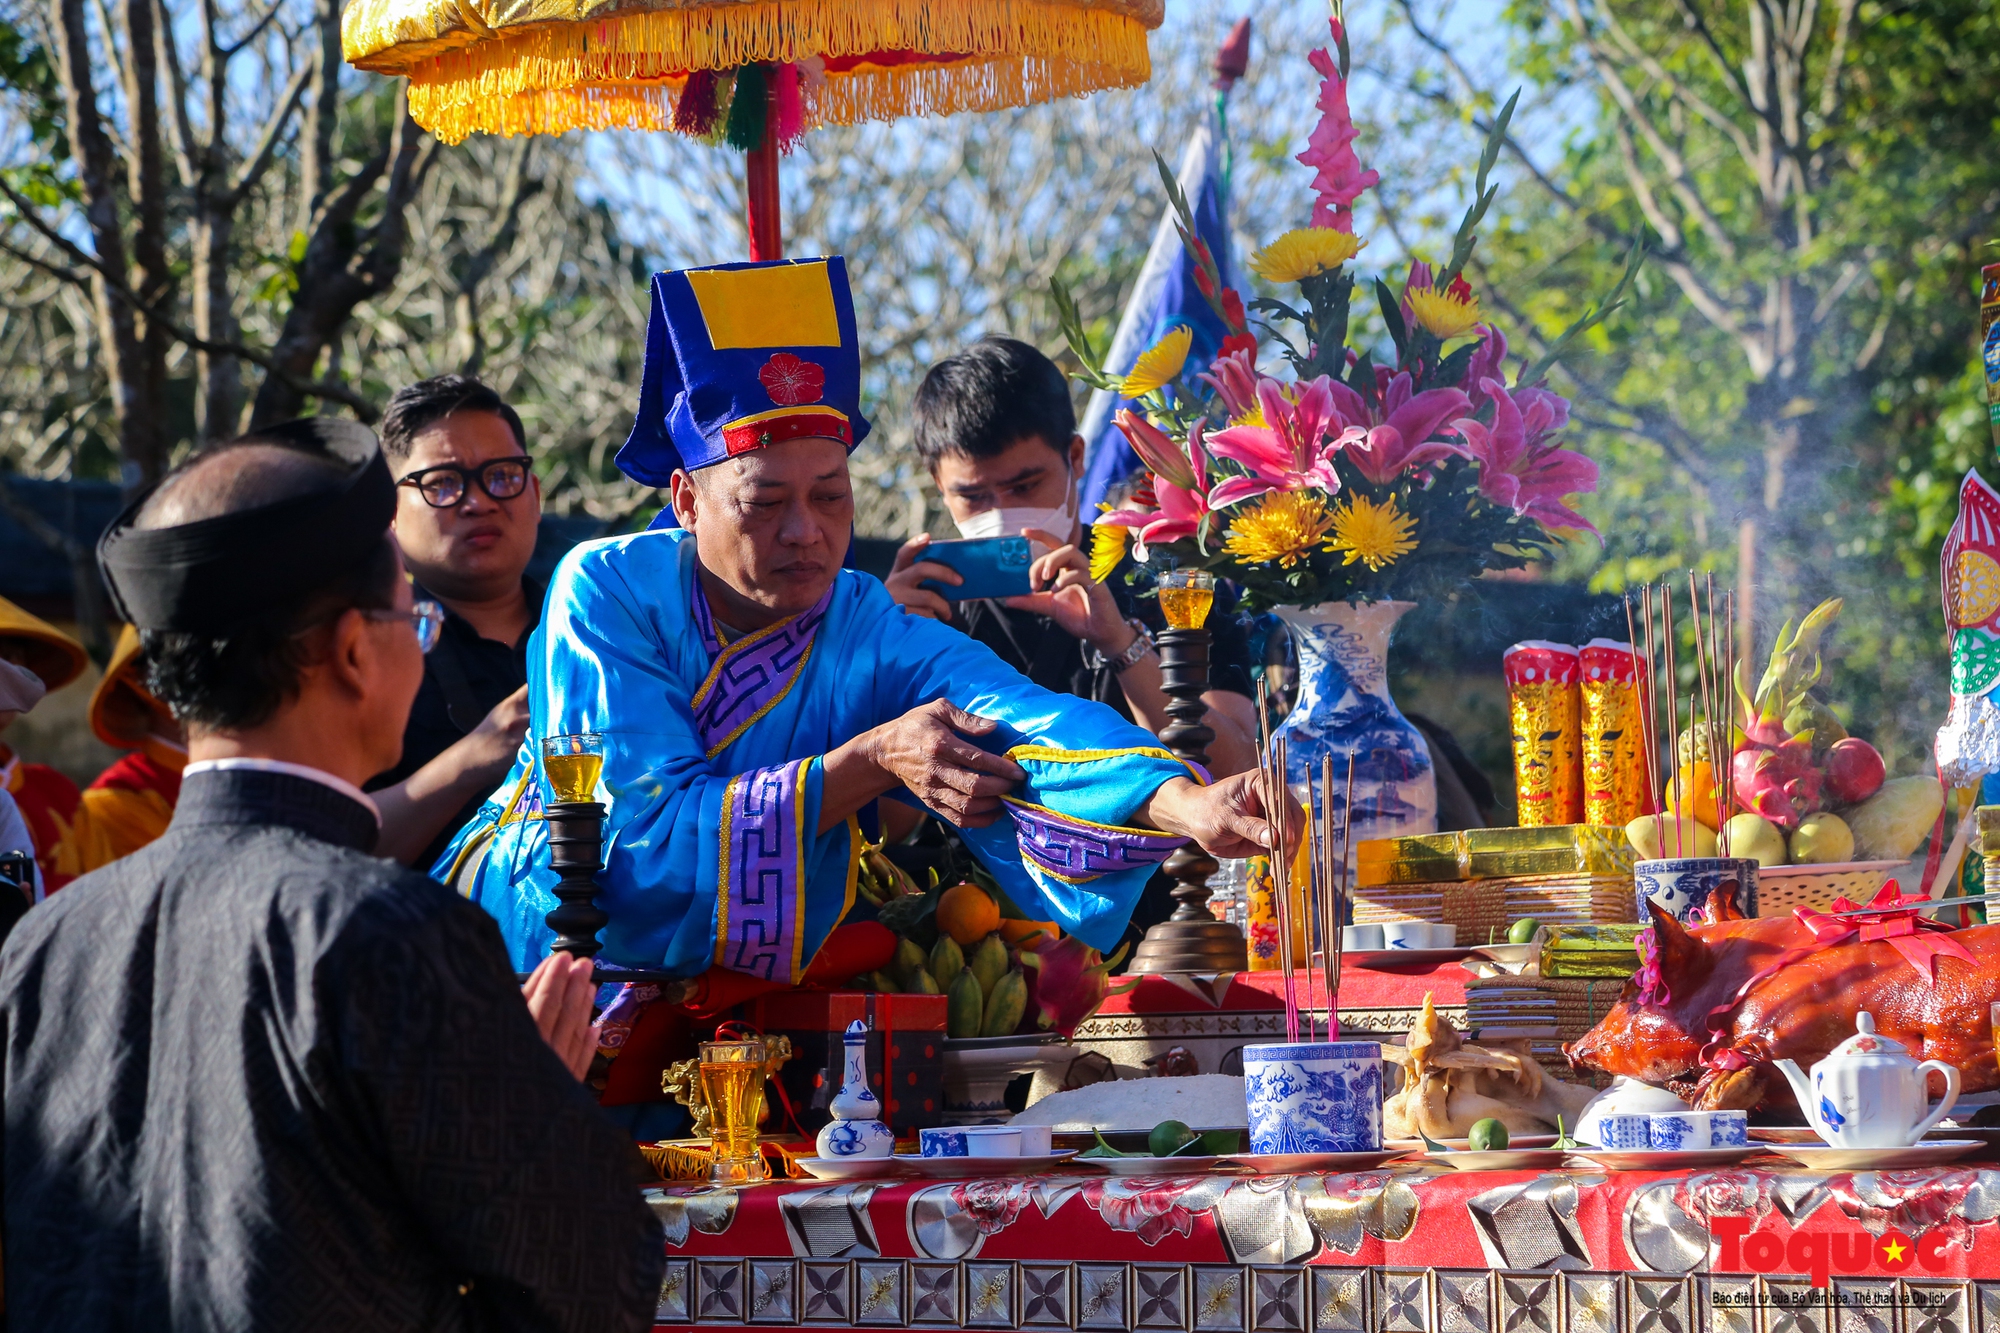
1409, 1246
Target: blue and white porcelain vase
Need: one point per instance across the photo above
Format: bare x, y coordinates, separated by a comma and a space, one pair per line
1344, 709
856, 1129
1320, 1096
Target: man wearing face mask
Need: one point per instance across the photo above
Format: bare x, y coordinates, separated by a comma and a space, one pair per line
997, 430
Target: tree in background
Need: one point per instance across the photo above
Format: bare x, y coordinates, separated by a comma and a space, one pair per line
1786, 400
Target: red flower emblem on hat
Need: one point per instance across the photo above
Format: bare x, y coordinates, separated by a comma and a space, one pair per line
791, 381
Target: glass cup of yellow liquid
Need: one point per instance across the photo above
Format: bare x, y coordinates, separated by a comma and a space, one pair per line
732, 1081
572, 764
1186, 596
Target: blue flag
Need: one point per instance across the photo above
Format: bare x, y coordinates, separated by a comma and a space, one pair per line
1164, 296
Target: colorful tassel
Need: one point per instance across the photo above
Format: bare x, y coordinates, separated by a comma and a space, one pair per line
697, 114
788, 106
749, 108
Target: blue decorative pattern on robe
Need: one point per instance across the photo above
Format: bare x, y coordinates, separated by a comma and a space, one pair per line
712, 774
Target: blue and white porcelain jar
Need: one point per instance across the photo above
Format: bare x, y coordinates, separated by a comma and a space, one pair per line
857, 1129
1322, 1096
1344, 709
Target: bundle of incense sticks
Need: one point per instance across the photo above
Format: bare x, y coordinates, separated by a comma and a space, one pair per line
1711, 710
1327, 872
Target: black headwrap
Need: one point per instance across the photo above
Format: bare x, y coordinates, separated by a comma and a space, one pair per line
210, 576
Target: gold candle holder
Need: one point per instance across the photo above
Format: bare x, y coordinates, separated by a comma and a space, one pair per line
732, 1081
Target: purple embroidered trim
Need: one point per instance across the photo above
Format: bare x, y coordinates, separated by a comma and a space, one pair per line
762, 886
1076, 851
752, 674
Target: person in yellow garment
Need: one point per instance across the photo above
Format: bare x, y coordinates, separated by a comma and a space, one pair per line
130, 803
35, 658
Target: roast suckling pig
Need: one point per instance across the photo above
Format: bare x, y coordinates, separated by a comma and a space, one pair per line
1801, 1012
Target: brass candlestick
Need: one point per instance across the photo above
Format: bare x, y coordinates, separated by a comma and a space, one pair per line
1191, 940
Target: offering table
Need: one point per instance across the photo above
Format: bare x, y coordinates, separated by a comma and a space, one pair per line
1411, 1246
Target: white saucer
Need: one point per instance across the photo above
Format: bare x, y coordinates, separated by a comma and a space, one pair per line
1874, 1159
848, 1168
965, 1168
1285, 1163
1155, 1166
1465, 1145
1504, 1159
1645, 1159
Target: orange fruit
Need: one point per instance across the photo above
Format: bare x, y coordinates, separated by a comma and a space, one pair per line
1694, 794
967, 914
1019, 933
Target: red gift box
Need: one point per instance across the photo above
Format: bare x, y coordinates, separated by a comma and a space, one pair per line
905, 1051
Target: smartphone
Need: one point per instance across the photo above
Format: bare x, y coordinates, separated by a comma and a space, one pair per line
990, 566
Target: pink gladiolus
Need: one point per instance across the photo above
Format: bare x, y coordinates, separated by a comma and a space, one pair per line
1393, 435
1518, 467
1289, 452
1338, 180
1158, 452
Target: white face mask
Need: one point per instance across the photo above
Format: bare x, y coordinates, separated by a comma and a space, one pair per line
1058, 522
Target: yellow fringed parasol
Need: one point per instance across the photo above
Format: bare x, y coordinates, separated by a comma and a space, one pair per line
546, 66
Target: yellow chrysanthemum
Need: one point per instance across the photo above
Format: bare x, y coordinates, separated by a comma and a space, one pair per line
1443, 314
1107, 548
1283, 528
1299, 254
1376, 535
1158, 364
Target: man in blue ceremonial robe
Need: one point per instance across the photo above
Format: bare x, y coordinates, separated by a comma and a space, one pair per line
754, 698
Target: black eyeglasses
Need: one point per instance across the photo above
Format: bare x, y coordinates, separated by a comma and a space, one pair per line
445, 486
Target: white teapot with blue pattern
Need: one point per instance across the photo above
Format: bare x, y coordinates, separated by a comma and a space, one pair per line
856, 1129
1869, 1093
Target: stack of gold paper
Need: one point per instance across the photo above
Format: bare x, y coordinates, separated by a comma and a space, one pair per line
1483, 880
1547, 1012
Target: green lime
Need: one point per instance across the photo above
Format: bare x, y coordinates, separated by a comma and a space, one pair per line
1523, 931
1168, 1137
1488, 1135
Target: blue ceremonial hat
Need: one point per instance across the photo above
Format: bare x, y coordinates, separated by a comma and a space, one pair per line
740, 357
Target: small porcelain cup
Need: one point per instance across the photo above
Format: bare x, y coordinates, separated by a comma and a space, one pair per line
1444, 937
1361, 939
942, 1142
1728, 1129
992, 1141
1679, 1131
1624, 1133
1406, 934
1036, 1140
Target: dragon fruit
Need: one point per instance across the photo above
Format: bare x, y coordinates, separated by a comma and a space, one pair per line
1071, 981
1772, 772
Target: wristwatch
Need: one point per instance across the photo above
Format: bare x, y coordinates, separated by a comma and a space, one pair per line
1142, 643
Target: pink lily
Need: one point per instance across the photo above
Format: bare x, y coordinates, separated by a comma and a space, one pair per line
1156, 450
1289, 452
1518, 467
1393, 435
1233, 376
1181, 506
1338, 180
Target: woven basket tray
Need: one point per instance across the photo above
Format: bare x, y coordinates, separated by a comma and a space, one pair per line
1781, 888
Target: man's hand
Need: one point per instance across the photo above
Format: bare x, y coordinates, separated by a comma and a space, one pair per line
1066, 594
909, 572
925, 750
492, 745
559, 993
1228, 819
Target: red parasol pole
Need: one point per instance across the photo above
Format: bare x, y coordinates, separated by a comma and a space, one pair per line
760, 170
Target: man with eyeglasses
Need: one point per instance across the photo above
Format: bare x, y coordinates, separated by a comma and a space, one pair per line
467, 509
254, 1077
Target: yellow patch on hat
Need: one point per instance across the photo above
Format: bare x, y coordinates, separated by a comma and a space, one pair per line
787, 306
